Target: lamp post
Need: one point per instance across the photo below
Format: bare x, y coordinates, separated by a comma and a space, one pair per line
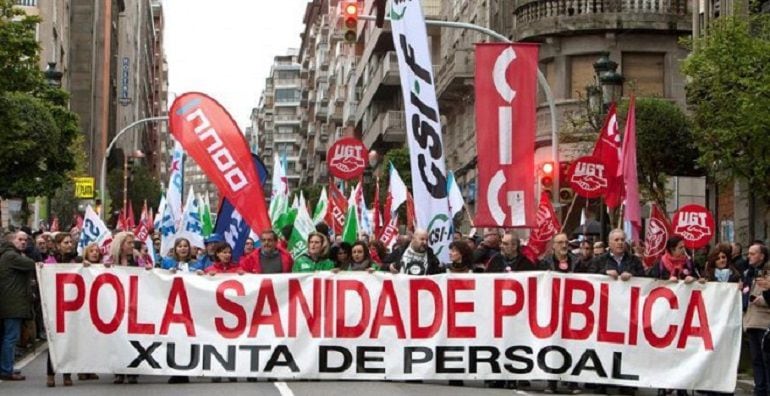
52, 76
103, 175
607, 89
126, 157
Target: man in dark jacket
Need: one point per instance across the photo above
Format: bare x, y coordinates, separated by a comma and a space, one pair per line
618, 262
510, 258
562, 260
417, 258
16, 271
488, 248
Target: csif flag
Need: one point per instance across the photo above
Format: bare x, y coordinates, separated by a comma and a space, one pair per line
208, 134
321, 207
94, 231
191, 227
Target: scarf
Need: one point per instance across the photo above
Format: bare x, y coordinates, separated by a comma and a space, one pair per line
673, 265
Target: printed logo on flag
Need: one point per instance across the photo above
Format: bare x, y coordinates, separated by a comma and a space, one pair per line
655, 238
587, 176
695, 224
347, 158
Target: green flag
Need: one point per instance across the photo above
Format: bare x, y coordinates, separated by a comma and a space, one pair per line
319, 214
350, 229
303, 226
207, 226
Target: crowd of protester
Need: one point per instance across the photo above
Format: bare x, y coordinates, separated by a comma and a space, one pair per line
493, 252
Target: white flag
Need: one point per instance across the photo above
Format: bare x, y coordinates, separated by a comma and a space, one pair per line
279, 198
94, 231
397, 189
175, 185
192, 226
456, 202
423, 127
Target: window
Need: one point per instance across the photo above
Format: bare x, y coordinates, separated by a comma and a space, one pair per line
285, 129
287, 95
581, 74
644, 73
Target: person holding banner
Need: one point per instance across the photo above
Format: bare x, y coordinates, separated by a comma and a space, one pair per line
315, 259
460, 258
416, 258
510, 258
248, 247
211, 243
181, 258
268, 258
360, 260
223, 263
718, 266
618, 262
92, 254
340, 254
674, 265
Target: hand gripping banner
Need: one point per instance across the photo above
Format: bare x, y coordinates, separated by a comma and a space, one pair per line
208, 134
506, 92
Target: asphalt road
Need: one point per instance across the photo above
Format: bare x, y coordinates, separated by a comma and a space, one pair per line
34, 368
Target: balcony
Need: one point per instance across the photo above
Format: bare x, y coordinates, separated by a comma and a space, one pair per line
25, 3
456, 72
286, 119
335, 112
383, 80
388, 127
548, 17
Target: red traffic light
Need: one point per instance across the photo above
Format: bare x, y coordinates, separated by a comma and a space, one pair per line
351, 9
548, 168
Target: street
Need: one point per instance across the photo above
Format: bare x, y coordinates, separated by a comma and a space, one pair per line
33, 367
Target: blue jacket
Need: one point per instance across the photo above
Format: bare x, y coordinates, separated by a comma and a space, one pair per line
170, 263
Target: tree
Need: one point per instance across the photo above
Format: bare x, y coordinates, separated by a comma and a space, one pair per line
729, 95
141, 186
665, 146
38, 130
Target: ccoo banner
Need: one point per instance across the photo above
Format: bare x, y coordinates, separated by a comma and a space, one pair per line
426, 150
506, 91
208, 134
525, 325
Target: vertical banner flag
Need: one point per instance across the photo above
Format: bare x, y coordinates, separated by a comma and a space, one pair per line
279, 197
208, 133
426, 149
176, 184
607, 149
191, 227
230, 224
633, 213
94, 231
547, 226
658, 231
506, 94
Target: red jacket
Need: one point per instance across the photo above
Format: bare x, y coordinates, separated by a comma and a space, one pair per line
219, 268
252, 264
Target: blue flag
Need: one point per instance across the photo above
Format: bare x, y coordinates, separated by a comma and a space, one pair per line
230, 224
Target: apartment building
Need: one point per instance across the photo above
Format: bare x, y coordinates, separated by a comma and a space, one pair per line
279, 122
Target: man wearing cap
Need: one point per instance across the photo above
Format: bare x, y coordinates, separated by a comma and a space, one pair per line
211, 244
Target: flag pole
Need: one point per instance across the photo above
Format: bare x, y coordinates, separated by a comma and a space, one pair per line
569, 212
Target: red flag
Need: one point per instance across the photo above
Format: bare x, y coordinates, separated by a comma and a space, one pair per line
506, 96
390, 233
130, 219
409, 212
547, 226
376, 209
55, 224
211, 137
121, 220
658, 230
338, 207
607, 149
627, 170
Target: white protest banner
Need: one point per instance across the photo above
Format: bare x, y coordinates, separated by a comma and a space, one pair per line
426, 151
527, 325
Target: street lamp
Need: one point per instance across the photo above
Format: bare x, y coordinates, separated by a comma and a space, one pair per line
126, 157
610, 81
52, 76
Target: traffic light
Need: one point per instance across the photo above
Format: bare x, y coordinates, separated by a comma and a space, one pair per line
350, 11
546, 178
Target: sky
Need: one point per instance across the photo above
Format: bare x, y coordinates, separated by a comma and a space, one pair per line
225, 48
